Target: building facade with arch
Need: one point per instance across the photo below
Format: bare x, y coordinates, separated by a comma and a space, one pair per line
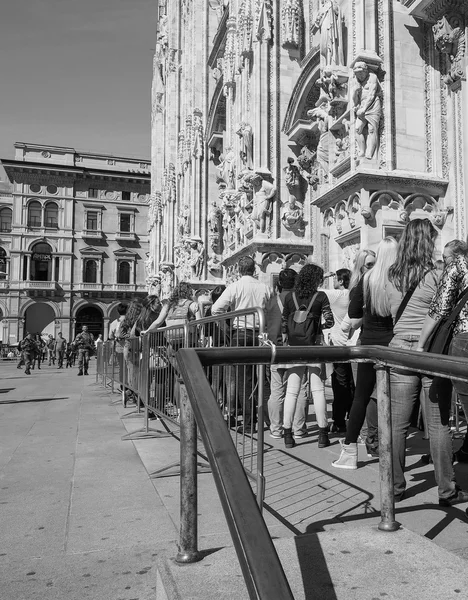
303, 130
73, 239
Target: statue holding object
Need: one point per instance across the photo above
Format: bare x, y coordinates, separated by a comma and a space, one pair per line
367, 103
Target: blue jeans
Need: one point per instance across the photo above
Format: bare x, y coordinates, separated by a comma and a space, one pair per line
279, 381
406, 387
459, 348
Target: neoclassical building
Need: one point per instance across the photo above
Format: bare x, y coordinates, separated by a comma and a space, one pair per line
73, 239
289, 129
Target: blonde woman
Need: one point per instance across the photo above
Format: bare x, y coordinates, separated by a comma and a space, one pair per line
364, 261
369, 304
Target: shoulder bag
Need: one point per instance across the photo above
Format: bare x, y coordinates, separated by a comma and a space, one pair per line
439, 340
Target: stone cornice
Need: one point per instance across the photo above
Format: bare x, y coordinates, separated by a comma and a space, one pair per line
433, 10
279, 246
381, 180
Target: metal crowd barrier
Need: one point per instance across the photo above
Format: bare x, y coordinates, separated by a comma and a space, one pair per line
262, 570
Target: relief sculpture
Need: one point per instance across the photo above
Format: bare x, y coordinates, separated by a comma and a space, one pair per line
451, 40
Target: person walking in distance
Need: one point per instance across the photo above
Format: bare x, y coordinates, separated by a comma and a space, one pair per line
60, 347
84, 342
245, 293
28, 351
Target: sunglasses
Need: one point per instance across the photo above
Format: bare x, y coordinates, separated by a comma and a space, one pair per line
369, 265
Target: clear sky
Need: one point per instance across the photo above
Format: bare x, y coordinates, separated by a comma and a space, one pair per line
77, 73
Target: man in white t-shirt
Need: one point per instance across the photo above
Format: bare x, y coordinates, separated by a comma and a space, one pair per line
342, 376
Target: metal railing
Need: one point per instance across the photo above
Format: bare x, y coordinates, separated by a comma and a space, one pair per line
257, 555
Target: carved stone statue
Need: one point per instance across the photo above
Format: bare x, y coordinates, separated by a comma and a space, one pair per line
264, 193
330, 23
320, 116
167, 280
306, 159
244, 131
184, 222
451, 40
197, 255
227, 169
367, 105
154, 285
291, 23
293, 215
294, 181
329, 82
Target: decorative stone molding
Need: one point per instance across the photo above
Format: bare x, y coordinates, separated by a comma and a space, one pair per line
451, 41
230, 55
264, 19
291, 23
292, 211
169, 190
245, 31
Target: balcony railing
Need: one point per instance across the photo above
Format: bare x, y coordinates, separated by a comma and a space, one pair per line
92, 233
39, 285
124, 287
4, 284
125, 235
88, 287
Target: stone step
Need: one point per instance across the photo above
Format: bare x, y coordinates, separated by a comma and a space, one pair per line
347, 564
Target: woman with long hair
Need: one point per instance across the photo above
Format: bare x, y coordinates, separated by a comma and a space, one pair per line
151, 309
131, 352
413, 282
369, 304
310, 278
180, 301
364, 261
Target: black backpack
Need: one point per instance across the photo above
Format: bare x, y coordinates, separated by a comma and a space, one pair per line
302, 325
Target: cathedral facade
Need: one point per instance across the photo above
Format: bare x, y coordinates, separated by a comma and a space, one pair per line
295, 130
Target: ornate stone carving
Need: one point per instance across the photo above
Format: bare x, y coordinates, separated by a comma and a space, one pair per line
167, 280
169, 185
245, 25
330, 23
214, 225
227, 169
184, 222
451, 41
154, 210
291, 23
293, 212
197, 257
244, 131
264, 19
230, 55
367, 104
320, 117
197, 134
264, 193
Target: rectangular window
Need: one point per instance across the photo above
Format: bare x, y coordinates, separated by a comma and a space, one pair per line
92, 221
125, 222
126, 196
93, 193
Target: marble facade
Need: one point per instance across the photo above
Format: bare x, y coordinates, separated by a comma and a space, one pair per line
303, 129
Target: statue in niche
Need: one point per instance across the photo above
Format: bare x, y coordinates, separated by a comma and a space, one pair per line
246, 150
329, 82
264, 193
154, 285
367, 105
320, 116
451, 40
227, 169
197, 254
214, 216
184, 222
330, 23
149, 266
293, 209
167, 280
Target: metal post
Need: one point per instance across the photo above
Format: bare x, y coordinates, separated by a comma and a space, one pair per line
188, 535
387, 501
113, 365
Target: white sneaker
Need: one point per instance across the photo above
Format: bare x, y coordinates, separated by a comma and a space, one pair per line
348, 457
277, 435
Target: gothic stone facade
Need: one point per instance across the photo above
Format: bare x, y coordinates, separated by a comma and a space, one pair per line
296, 129
73, 239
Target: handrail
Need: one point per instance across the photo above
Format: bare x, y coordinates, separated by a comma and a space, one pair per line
260, 564
432, 364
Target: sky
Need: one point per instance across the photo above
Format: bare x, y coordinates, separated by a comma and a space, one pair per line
77, 73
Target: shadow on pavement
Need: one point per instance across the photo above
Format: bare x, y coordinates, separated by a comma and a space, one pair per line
32, 400
314, 571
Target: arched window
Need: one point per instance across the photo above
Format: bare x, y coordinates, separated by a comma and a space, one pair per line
123, 273
5, 220
51, 215
35, 214
3, 264
41, 262
90, 271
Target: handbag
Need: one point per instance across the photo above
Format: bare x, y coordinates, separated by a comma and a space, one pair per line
439, 340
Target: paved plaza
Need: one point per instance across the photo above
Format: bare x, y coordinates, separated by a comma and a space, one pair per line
82, 519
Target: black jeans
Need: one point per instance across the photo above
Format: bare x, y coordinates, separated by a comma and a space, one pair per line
365, 382
343, 392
